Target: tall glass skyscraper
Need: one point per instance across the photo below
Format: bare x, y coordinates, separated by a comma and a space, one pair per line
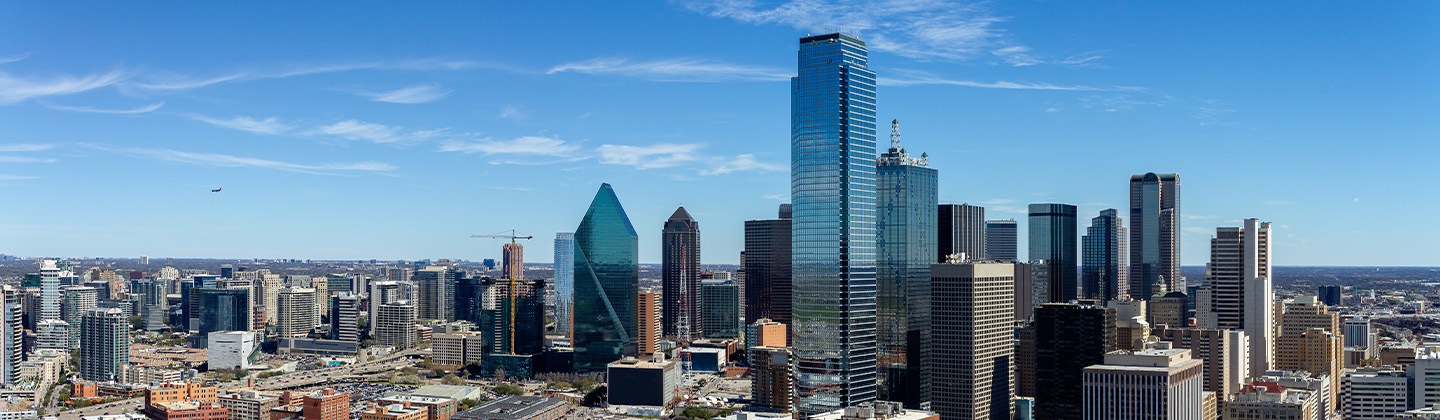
1052, 238
907, 198
680, 277
1000, 239
607, 284
832, 187
1102, 255
564, 280
1154, 234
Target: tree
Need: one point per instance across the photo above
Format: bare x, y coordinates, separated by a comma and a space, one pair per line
585, 385
451, 379
468, 403
560, 385
595, 396
507, 389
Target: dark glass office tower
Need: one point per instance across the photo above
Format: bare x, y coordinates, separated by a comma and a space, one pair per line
1102, 266
907, 196
1154, 234
832, 185
1052, 238
767, 268
680, 277
521, 319
962, 231
223, 310
1001, 237
607, 284
470, 297
722, 308
1068, 338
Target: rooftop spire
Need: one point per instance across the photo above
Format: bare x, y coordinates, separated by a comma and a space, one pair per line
895, 134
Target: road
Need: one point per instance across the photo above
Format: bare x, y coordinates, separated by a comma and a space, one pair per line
318, 376
117, 407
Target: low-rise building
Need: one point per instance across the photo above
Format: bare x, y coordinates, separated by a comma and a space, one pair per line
136, 374
187, 410
179, 391
394, 412
248, 405
517, 408
232, 349
439, 408
454, 392
458, 348
1269, 400
879, 410
643, 382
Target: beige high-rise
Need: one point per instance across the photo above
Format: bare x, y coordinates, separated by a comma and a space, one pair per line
972, 345
1213, 348
1310, 340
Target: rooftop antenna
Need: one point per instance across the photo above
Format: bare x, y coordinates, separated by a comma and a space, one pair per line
895, 134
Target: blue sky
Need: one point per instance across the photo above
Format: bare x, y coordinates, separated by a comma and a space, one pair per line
394, 131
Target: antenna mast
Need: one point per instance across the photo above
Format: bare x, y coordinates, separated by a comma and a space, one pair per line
895, 134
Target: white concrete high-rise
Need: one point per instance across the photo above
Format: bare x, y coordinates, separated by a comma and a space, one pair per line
1242, 295
297, 312
50, 273
395, 325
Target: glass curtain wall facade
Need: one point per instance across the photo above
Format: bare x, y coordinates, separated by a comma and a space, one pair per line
564, 280
767, 269
224, 310
907, 195
1052, 238
607, 284
1154, 234
1102, 269
832, 187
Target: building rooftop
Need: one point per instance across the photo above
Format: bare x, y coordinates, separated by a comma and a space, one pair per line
393, 409
879, 410
456, 392
511, 407
419, 399
633, 363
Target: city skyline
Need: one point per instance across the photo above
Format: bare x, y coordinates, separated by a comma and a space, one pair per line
401, 111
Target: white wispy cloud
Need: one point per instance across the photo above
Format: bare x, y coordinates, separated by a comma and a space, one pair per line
14, 90
140, 110
527, 145
175, 81
1199, 230
372, 132
418, 94
778, 197
14, 58
662, 155
231, 161
25, 159
1017, 55
511, 112
916, 78
22, 147
1085, 59
739, 163
271, 125
922, 29
673, 70
4, 177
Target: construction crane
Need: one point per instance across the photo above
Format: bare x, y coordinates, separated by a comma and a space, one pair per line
513, 291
